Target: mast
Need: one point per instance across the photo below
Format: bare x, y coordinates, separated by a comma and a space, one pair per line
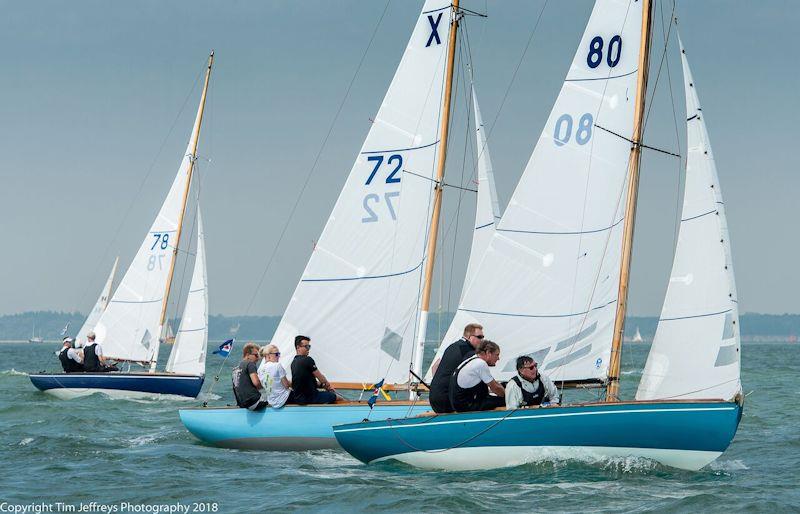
192, 157
437, 197
612, 391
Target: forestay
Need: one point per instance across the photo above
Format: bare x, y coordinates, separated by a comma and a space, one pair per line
99, 307
359, 293
130, 327
547, 284
695, 352
487, 212
189, 351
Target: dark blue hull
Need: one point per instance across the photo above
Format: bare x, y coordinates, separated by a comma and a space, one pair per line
69, 385
681, 434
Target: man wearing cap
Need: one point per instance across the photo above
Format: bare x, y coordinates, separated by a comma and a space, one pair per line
93, 359
71, 359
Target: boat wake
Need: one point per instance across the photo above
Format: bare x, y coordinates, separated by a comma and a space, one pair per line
13, 372
728, 465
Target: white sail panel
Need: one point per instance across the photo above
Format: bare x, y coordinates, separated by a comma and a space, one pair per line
358, 295
487, 213
99, 306
189, 351
696, 349
130, 327
547, 284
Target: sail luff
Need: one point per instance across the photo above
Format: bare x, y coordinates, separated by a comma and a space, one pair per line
191, 151
99, 306
612, 392
433, 232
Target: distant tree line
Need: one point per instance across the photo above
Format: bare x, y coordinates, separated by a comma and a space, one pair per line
49, 324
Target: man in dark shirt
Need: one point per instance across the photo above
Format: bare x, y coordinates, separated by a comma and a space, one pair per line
444, 368
305, 376
246, 385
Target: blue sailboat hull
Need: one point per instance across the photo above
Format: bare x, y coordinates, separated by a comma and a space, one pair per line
130, 385
292, 427
682, 434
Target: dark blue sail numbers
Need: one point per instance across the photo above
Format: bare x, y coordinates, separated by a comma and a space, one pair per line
613, 53
391, 166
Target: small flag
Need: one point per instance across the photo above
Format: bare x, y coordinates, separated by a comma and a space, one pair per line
225, 348
64, 330
374, 398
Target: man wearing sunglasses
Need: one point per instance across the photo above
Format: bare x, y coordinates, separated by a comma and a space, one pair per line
306, 377
246, 384
528, 387
454, 355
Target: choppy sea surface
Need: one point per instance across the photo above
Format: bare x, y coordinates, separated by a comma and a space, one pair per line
127, 455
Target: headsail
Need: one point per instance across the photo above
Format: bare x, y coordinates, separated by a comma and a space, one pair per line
359, 293
189, 351
131, 325
487, 213
547, 284
696, 349
99, 307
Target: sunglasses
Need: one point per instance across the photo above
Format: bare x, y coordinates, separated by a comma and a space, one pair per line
531, 367
274, 353
477, 337
305, 346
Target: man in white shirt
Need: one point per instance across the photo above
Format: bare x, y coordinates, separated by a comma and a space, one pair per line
528, 387
472, 380
71, 359
93, 358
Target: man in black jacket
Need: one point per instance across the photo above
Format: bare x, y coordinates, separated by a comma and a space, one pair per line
452, 357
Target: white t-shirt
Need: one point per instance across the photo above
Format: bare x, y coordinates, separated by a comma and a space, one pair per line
270, 374
97, 349
74, 355
473, 372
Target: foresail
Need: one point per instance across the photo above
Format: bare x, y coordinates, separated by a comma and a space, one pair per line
547, 284
189, 351
359, 293
696, 349
487, 213
99, 306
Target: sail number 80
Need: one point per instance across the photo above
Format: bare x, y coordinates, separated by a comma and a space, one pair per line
613, 53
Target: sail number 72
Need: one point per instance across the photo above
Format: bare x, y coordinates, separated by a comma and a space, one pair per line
392, 165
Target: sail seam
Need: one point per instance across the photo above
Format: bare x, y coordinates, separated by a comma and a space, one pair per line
602, 78
696, 316
401, 149
363, 278
561, 233
540, 315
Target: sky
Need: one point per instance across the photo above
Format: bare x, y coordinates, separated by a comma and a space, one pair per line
97, 100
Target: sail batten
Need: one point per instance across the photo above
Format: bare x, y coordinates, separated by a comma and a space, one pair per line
700, 315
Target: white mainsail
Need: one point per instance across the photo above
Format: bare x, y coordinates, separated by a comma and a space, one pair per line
696, 349
487, 213
130, 327
99, 306
189, 351
547, 284
359, 294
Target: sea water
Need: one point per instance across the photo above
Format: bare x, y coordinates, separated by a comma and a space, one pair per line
136, 456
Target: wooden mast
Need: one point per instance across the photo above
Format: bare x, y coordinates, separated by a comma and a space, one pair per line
612, 391
437, 194
192, 152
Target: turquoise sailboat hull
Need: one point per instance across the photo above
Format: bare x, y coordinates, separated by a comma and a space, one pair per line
292, 427
681, 434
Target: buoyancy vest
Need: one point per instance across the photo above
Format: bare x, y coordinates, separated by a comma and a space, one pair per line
466, 399
69, 365
534, 398
90, 360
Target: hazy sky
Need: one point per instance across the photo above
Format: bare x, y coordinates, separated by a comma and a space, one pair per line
90, 90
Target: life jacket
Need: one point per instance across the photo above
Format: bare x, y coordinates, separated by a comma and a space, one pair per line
90, 360
69, 365
466, 399
534, 398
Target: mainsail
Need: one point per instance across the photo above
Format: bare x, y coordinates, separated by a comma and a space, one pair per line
359, 293
487, 213
695, 352
99, 307
547, 284
189, 351
131, 325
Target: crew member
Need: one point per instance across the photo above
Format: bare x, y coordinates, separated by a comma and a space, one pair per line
443, 369
246, 384
71, 359
306, 377
472, 380
93, 359
529, 387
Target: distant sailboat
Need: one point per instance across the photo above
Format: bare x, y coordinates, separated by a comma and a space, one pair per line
130, 328
34, 338
637, 337
553, 284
